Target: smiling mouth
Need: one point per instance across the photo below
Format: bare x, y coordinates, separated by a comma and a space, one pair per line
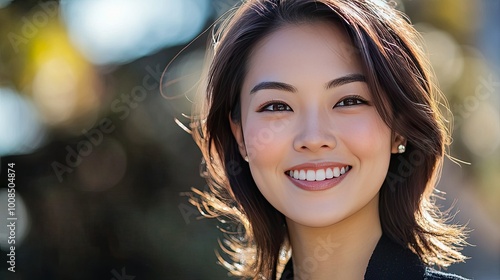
318, 174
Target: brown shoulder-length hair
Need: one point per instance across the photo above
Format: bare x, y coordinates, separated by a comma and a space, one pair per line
400, 79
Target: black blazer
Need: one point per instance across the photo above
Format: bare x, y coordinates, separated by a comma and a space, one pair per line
392, 261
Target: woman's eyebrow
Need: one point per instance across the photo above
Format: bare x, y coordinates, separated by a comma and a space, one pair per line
349, 78
273, 85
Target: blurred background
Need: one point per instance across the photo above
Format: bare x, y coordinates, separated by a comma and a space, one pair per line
101, 164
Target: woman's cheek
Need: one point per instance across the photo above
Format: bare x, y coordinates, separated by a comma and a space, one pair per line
264, 137
365, 132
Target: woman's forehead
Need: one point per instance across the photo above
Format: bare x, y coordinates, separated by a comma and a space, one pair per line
319, 49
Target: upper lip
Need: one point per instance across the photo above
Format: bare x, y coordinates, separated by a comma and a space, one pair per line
318, 165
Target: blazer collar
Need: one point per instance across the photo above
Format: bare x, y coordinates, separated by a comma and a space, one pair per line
389, 260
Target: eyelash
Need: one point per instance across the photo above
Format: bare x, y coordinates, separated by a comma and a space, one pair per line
355, 99
264, 107
358, 100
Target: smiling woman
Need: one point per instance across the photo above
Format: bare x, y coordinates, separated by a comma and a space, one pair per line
328, 111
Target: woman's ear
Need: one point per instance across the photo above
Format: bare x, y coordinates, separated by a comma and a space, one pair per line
398, 145
238, 135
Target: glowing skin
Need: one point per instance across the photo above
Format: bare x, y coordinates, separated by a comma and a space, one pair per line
307, 122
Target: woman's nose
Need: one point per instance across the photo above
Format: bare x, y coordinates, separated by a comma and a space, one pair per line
315, 133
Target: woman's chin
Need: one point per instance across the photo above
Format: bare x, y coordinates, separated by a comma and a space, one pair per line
315, 220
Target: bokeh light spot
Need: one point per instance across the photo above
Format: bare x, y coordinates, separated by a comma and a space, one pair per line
4, 3
481, 131
19, 125
103, 165
117, 31
445, 54
54, 90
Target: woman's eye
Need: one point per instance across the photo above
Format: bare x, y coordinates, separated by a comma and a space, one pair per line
350, 101
276, 107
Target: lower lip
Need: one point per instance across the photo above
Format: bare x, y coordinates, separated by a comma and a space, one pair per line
318, 185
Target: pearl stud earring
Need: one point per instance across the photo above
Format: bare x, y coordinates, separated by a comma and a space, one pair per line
246, 158
401, 148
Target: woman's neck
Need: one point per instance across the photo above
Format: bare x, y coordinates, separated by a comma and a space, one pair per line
339, 251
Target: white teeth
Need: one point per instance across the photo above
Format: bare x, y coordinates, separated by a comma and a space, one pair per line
302, 175
311, 175
336, 172
318, 175
329, 173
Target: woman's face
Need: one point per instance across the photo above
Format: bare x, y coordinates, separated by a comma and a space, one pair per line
318, 150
